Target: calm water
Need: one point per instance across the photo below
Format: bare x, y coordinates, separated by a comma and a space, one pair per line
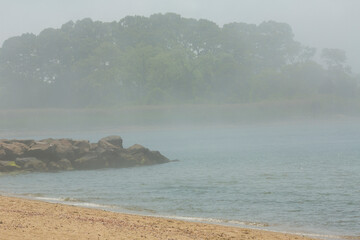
297, 177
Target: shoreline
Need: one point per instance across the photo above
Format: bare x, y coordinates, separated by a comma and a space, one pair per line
35, 120
23, 218
69, 132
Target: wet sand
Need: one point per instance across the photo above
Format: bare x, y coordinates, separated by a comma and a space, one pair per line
30, 219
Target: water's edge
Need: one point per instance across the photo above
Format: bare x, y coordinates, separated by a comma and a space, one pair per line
290, 177
223, 222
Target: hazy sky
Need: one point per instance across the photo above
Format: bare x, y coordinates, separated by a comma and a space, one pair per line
317, 23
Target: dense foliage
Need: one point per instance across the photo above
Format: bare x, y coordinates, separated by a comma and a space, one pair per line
165, 59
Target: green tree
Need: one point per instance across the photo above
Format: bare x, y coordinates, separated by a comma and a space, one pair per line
334, 58
166, 58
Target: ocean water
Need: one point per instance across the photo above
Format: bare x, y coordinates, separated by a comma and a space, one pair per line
292, 177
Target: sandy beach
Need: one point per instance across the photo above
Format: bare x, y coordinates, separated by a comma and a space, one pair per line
30, 219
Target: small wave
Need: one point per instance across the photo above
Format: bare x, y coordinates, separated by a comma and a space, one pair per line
219, 221
91, 205
34, 195
255, 224
52, 199
72, 201
49, 199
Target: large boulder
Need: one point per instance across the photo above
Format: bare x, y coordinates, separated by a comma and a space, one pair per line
2, 153
136, 148
81, 148
61, 165
113, 140
89, 161
106, 146
31, 163
64, 148
108, 150
27, 142
8, 166
44, 150
53, 166
118, 159
143, 156
10, 150
65, 164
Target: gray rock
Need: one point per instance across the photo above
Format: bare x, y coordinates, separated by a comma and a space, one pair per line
27, 142
53, 166
2, 154
66, 154
10, 150
81, 148
61, 165
31, 163
143, 156
8, 166
65, 164
63, 148
42, 150
90, 161
114, 140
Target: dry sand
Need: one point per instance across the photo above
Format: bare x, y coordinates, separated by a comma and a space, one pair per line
30, 219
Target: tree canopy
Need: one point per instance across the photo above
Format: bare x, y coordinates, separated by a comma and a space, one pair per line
165, 58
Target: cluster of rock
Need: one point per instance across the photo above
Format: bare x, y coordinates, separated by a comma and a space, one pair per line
67, 154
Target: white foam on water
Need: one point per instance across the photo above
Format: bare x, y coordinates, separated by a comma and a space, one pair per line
90, 205
218, 221
74, 202
49, 199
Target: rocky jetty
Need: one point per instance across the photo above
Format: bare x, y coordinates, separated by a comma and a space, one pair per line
67, 154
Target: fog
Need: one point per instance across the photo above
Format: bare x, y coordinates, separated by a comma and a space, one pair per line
317, 23
259, 100
215, 62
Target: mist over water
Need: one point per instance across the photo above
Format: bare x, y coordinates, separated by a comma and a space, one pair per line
296, 177
258, 100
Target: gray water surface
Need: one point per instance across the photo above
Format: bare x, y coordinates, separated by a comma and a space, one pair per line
299, 177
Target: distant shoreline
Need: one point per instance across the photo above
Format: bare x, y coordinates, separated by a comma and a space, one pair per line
30, 122
32, 219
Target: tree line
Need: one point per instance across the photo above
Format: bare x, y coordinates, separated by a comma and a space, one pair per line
166, 59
